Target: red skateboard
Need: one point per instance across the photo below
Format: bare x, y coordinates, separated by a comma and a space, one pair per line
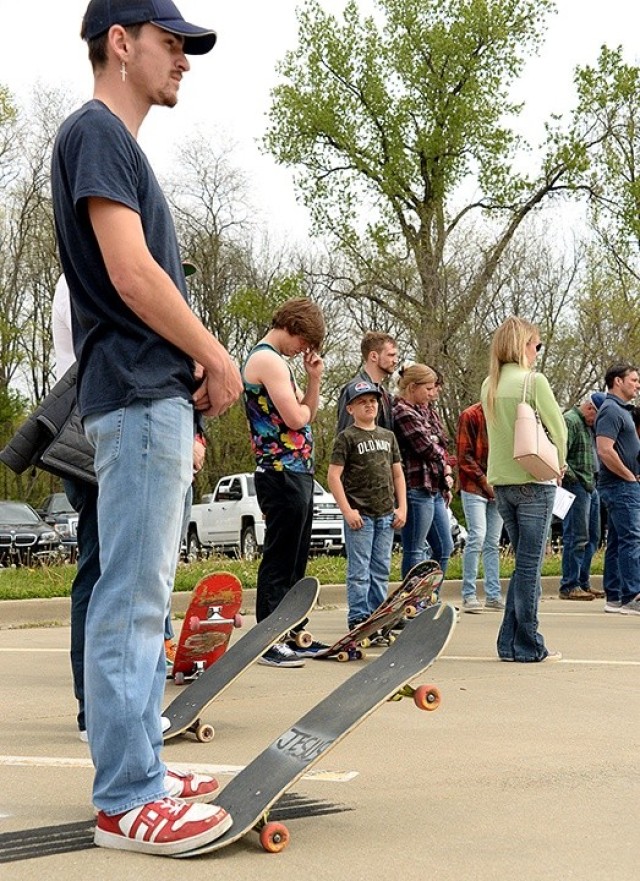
213, 613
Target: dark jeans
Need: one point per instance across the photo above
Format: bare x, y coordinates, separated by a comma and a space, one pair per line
526, 510
84, 499
621, 579
286, 501
580, 535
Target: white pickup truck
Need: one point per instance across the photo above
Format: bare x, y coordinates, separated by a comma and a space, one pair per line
229, 520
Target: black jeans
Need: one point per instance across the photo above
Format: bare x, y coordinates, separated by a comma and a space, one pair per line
84, 499
286, 501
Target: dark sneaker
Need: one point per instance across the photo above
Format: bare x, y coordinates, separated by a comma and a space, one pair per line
494, 605
190, 787
380, 639
164, 827
576, 593
280, 655
472, 605
315, 650
351, 625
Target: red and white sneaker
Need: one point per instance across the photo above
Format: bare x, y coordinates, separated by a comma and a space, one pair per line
190, 787
164, 827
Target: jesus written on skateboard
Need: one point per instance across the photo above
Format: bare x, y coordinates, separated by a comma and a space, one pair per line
280, 415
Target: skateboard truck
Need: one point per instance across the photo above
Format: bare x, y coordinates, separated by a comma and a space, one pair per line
425, 697
213, 619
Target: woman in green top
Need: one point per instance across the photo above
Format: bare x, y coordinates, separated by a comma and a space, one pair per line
524, 503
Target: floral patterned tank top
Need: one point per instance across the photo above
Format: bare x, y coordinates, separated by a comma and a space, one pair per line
274, 444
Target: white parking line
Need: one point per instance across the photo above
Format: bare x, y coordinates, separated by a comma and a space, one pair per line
596, 662
228, 770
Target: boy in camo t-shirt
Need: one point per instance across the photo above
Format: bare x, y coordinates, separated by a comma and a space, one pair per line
367, 481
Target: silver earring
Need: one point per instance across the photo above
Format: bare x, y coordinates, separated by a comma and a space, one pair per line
123, 71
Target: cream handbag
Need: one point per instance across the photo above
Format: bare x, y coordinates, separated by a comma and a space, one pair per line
531, 446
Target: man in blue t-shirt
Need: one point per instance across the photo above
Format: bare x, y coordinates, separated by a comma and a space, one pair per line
144, 362
618, 449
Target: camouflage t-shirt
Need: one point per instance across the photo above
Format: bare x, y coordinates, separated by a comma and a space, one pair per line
367, 457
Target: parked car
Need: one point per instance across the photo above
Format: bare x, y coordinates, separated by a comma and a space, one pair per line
230, 520
25, 538
327, 529
57, 510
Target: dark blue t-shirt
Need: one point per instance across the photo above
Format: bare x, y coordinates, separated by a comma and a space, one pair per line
614, 421
120, 359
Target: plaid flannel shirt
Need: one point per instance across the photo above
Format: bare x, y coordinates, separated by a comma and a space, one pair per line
422, 445
472, 444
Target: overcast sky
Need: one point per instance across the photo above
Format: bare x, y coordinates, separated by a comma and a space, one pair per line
227, 91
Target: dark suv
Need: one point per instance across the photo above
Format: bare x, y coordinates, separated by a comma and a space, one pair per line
25, 538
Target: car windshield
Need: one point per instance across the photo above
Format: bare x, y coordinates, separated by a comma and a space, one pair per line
60, 504
12, 513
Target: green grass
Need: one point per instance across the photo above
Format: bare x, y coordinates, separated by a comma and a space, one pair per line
55, 581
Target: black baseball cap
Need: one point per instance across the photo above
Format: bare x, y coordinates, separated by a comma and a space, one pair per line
103, 14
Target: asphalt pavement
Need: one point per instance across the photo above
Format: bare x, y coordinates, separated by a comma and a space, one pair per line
525, 772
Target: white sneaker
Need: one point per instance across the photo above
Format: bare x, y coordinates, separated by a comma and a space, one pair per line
472, 605
632, 608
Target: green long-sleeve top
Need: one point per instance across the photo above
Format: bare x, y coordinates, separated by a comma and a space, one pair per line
502, 468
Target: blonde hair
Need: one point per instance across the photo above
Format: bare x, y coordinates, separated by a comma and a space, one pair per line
419, 374
508, 346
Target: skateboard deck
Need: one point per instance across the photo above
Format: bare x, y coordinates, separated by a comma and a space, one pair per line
185, 710
214, 611
403, 602
250, 794
413, 576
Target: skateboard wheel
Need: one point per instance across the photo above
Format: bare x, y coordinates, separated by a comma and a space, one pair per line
410, 612
303, 639
365, 643
342, 656
274, 837
427, 697
194, 624
237, 620
360, 655
178, 678
205, 733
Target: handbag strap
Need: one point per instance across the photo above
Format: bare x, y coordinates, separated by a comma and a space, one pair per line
530, 375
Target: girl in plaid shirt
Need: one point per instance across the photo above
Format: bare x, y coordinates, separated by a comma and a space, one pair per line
424, 458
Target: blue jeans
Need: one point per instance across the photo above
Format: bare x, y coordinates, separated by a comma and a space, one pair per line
621, 578
368, 564
526, 510
420, 507
580, 535
143, 461
484, 527
439, 540
84, 499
